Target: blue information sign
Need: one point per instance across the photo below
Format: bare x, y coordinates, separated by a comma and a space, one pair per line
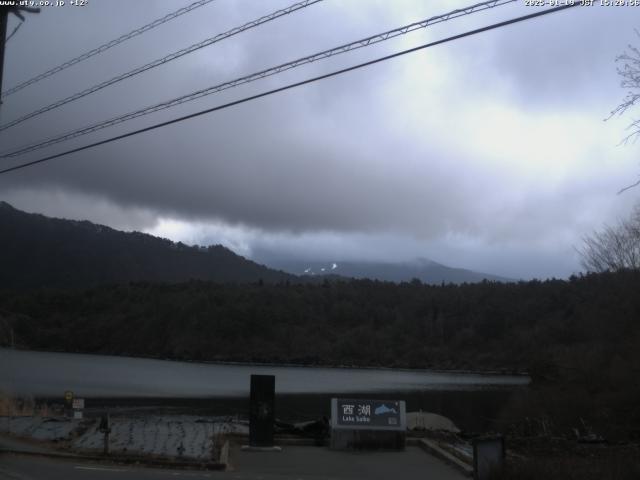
368, 413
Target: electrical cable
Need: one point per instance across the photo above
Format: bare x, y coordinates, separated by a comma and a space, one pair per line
162, 61
293, 85
104, 47
259, 75
17, 27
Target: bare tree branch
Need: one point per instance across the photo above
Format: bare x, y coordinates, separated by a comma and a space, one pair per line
614, 248
629, 187
629, 72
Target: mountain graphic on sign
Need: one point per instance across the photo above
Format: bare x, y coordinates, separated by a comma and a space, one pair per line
382, 409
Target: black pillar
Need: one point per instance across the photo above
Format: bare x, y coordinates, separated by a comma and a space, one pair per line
261, 410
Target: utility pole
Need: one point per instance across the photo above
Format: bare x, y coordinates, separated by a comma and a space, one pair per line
4, 15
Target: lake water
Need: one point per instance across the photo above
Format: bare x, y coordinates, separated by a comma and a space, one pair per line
223, 389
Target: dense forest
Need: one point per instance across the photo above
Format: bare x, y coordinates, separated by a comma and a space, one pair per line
582, 334
513, 326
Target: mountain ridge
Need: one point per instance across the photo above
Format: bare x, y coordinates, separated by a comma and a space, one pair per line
38, 251
423, 269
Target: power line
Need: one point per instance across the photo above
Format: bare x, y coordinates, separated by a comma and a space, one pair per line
381, 37
293, 85
17, 10
17, 27
163, 60
106, 46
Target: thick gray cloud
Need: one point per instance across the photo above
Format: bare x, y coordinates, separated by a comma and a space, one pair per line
485, 153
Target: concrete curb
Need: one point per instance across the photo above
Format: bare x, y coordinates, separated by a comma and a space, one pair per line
121, 459
288, 440
224, 453
433, 448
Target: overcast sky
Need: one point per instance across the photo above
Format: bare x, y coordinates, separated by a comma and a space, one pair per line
488, 153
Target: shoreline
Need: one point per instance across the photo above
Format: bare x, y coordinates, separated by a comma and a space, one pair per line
504, 372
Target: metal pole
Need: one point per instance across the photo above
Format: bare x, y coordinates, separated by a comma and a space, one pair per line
4, 14
105, 428
106, 442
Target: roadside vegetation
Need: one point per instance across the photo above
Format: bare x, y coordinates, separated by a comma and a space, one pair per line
611, 463
11, 406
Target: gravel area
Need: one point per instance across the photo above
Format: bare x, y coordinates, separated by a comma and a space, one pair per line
39, 428
168, 436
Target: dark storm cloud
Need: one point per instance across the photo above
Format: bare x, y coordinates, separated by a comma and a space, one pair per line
565, 59
391, 155
264, 176
273, 164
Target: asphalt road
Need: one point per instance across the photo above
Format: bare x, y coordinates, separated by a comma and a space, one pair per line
298, 463
18, 467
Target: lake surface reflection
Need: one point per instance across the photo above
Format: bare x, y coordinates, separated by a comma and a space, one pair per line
303, 392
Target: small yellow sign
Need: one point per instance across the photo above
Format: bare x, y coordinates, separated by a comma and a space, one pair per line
68, 395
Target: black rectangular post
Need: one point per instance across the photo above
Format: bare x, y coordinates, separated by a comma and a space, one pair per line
261, 410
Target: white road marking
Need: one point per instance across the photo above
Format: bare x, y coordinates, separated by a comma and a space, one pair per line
176, 474
80, 467
180, 474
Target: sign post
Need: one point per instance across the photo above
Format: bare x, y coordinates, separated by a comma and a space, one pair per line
78, 407
105, 428
368, 424
68, 404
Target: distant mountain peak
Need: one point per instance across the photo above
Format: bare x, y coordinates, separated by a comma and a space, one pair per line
422, 268
425, 261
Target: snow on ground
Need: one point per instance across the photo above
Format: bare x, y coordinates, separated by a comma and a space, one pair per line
168, 436
185, 436
39, 428
430, 421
